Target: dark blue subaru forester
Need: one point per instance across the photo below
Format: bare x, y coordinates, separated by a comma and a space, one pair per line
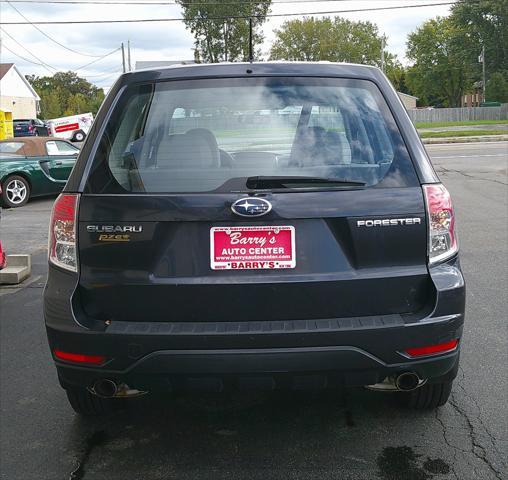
261, 225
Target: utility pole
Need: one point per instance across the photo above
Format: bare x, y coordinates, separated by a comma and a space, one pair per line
129, 55
123, 58
251, 49
483, 74
225, 31
383, 53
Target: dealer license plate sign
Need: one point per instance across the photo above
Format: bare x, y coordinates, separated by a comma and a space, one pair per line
252, 248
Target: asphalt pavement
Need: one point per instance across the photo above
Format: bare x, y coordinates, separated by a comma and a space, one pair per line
350, 434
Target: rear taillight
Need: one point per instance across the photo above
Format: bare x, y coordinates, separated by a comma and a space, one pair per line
442, 243
433, 349
62, 232
30, 128
79, 357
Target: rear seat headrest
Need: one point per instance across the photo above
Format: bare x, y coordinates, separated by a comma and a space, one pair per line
196, 148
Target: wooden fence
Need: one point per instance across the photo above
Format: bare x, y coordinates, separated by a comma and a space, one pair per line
459, 114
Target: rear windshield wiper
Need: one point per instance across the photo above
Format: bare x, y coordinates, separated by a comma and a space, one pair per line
262, 182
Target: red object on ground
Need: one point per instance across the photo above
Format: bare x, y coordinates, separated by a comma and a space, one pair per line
2, 257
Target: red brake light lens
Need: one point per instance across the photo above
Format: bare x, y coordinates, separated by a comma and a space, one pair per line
79, 357
62, 232
433, 349
442, 243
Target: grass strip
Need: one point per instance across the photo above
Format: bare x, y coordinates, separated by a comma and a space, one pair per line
459, 124
462, 133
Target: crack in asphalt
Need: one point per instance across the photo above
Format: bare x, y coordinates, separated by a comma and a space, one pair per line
449, 170
453, 447
95, 439
478, 450
491, 436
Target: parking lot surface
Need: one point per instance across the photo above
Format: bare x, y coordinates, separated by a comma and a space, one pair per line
350, 434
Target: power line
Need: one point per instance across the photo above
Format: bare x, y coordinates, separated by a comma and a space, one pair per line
106, 72
96, 60
43, 63
27, 60
51, 38
149, 2
229, 17
104, 77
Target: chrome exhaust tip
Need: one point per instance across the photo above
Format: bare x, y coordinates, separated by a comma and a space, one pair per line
105, 388
404, 382
408, 381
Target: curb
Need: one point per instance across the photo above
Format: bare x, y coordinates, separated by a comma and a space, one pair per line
18, 269
479, 138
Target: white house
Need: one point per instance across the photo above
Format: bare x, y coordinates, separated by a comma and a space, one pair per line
16, 94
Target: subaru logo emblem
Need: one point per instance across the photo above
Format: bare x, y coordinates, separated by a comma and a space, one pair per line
251, 207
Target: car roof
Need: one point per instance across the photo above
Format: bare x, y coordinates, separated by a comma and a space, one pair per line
247, 69
33, 146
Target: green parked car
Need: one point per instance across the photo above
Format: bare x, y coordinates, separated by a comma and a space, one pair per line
34, 166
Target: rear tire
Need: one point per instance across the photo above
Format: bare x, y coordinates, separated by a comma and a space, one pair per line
429, 396
89, 405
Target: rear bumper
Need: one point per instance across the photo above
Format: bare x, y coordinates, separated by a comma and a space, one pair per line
298, 368
352, 355
24, 134
293, 354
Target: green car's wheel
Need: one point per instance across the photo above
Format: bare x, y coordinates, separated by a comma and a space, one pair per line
15, 191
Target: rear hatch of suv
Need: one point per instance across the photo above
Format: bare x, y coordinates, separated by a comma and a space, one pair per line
22, 127
251, 199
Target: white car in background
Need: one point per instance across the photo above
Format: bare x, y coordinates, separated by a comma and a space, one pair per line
74, 127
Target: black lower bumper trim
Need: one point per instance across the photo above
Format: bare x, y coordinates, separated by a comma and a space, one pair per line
259, 368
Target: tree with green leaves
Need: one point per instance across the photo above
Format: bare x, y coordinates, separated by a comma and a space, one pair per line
335, 40
445, 52
497, 88
65, 93
219, 35
438, 75
483, 23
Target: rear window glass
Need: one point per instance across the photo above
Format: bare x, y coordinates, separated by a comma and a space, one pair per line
11, 147
212, 135
58, 147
